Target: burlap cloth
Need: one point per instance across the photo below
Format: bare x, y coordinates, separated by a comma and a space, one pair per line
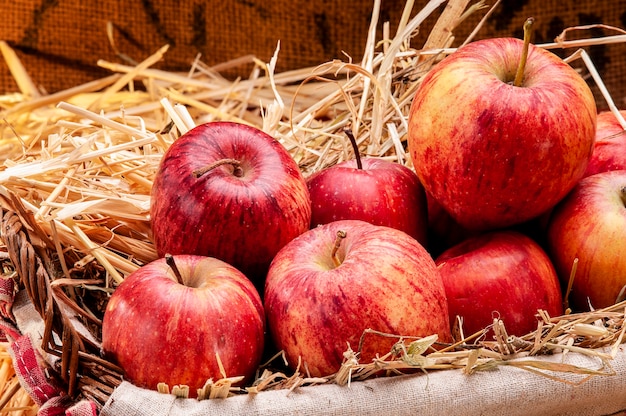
504, 391
61, 41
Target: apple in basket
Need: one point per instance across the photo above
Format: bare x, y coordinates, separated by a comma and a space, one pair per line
171, 320
495, 149
229, 191
586, 238
609, 150
330, 284
370, 189
499, 274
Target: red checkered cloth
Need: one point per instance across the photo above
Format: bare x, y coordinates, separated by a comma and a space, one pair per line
29, 372
51, 399
63, 405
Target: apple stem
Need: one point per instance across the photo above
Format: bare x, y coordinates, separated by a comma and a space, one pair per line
169, 259
519, 76
340, 236
623, 193
355, 147
234, 162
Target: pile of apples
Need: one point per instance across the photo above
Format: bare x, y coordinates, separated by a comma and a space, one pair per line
511, 185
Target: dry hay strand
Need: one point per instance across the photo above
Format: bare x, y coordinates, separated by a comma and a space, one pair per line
78, 165
598, 334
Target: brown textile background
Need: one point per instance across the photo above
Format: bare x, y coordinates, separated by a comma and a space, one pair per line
60, 41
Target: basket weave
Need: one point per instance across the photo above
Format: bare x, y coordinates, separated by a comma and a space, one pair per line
36, 264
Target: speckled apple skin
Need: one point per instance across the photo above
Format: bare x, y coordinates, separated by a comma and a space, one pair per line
158, 330
386, 282
494, 154
382, 193
609, 150
241, 220
590, 225
501, 274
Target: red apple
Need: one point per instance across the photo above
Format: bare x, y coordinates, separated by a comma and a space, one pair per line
319, 299
590, 225
501, 274
229, 191
160, 329
495, 154
370, 189
609, 151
